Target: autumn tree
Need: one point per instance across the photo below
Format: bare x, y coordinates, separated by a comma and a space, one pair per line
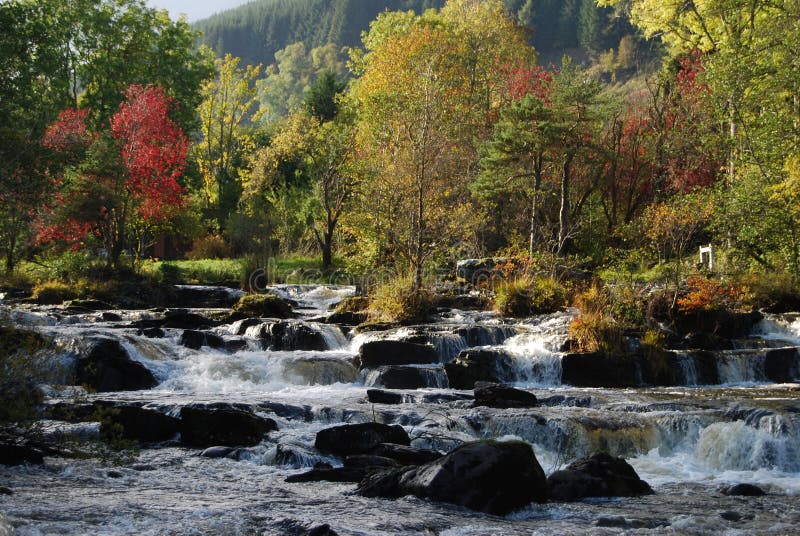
123, 186
227, 108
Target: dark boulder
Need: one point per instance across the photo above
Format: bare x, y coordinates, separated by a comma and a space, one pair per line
321, 530
152, 333
405, 455
782, 365
137, 423
334, 474
294, 455
106, 366
12, 453
198, 296
217, 452
179, 319
598, 370
479, 365
235, 345
743, 490
291, 336
722, 323
263, 305
496, 395
213, 425
346, 318
359, 438
598, 475
107, 316
374, 354
197, 339
486, 476
398, 377
369, 460
378, 396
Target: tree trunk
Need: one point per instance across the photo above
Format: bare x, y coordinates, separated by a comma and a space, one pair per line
563, 213
327, 247
537, 183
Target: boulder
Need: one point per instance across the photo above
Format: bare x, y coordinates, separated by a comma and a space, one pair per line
333, 474
19, 453
374, 354
479, 271
152, 333
369, 460
225, 425
346, 318
479, 365
487, 476
598, 370
217, 452
782, 365
291, 336
722, 323
105, 366
294, 455
137, 423
598, 475
263, 305
378, 396
200, 296
180, 319
397, 377
405, 455
197, 339
743, 490
359, 438
496, 395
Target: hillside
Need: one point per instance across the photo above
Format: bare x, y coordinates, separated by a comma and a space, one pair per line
255, 31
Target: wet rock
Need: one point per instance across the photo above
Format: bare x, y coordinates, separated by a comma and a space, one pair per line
486, 476
622, 523
290, 336
730, 516
114, 474
211, 425
289, 411
178, 319
744, 490
479, 365
485, 335
374, 354
722, 323
398, 377
568, 401
478, 271
782, 365
346, 318
197, 339
598, 475
378, 396
406, 455
263, 305
335, 474
137, 423
110, 317
598, 370
89, 305
359, 438
105, 366
5, 491
197, 296
369, 460
322, 530
73, 412
495, 395
374, 326
19, 453
242, 326
152, 333
235, 345
217, 452
294, 455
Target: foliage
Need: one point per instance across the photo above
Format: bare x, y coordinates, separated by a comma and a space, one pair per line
523, 296
24, 363
400, 301
596, 329
53, 292
703, 294
210, 247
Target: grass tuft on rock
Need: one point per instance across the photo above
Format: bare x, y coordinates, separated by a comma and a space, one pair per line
263, 305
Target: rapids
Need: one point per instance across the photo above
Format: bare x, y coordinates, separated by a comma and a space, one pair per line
687, 441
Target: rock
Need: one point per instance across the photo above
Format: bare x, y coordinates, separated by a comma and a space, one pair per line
374, 326
19, 454
479, 271
346, 318
479, 365
212, 425
294, 455
501, 396
291, 336
178, 319
137, 423
335, 474
405, 455
5, 491
378, 396
110, 317
89, 305
114, 474
397, 377
743, 490
374, 354
782, 365
196, 339
359, 438
152, 333
486, 476
722, 323
199, 296
235, 345
369, 460
322, 530
730, 516
598, 475
263, 305
106, 366
217, 452
598, 370
73, 412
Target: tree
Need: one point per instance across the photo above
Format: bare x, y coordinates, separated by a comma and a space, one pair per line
320, 99
124, 185
228, 101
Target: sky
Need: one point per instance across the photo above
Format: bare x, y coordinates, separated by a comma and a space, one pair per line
195, 9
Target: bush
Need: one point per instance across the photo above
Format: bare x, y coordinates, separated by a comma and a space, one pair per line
53, 293
399, 302
210, 247
352, 304
596, 329
704, 294
523, 296
22, 366
263, 305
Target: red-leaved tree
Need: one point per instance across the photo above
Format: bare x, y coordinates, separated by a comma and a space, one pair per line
121, 184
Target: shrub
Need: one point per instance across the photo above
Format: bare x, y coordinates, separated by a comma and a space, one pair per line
596, 329
352, 304
523, 296
23, 365
210, 247
704, 294
399, 302
53, 293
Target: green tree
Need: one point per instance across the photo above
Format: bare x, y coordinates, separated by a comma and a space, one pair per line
320, 99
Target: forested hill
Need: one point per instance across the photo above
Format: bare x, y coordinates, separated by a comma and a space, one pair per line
255, 31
